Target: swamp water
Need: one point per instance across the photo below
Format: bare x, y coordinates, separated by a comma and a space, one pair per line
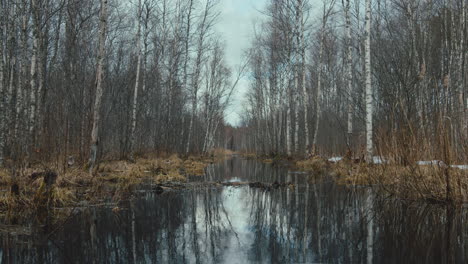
304, 223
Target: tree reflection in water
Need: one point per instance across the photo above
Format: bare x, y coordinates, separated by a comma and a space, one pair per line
320, 222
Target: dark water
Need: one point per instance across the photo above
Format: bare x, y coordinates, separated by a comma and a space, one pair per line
312, 223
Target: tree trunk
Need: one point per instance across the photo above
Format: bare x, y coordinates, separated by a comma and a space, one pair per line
196, 77
297, 48
21, 90
33, 81
349, 73
461, 65
319, 87
304, 89
369, 102
3, 108
99, 86
135, 91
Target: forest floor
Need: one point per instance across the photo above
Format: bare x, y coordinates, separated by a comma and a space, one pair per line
430, 181
40, 188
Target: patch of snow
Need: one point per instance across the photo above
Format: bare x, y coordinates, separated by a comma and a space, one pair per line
335, 159
378, 160
431, 162
461, 167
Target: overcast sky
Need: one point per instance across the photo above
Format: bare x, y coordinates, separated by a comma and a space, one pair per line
236, 24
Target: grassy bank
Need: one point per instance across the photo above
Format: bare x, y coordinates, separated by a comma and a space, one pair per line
434, 183
46, 186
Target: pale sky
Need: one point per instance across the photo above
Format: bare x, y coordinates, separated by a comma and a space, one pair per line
236, 24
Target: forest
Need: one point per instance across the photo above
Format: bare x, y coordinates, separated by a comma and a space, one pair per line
382, 78
116, 126
90, 79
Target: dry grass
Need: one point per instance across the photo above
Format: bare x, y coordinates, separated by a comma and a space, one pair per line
111, 179
315, 165
193, 166
407, 182
249, 155
221, 152
424, 182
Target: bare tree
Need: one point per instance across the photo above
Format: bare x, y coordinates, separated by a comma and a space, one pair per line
369, 94
349, 70
327, 10
137, 81
99, 84
203, 29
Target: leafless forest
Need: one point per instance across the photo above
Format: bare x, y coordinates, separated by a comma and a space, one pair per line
384, 77
96, 79
106, 78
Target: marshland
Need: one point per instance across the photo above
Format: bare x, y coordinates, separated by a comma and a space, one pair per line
233, 131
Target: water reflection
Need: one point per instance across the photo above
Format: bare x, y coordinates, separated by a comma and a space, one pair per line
309, 223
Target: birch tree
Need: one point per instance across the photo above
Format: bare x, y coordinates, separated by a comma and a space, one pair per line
203, 29
137, 81
99, 84
349, 71
369, 94
327, 10
305, 95
35, 9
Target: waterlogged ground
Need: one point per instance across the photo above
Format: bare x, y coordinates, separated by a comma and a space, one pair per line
307, 223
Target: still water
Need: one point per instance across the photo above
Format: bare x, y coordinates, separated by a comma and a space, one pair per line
307, 223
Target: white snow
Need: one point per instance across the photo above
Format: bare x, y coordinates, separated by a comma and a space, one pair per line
381, 160
461, 167
430, 162
378, 160
335, 159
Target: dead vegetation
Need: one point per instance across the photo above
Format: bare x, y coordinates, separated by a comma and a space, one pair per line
434, 183
33, 189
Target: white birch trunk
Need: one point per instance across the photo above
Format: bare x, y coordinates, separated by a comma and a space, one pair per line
196, 77
296, 55
21, 90
304, 89
349, 73
369, 102
99, 81
319, 87
33, 87
135, 90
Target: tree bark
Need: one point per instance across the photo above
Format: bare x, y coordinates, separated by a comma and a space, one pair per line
318, 110
197, 73
99, 84
3, 111
304, 88
20, 128
369, 99
349, 72
34, 75
135, 90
